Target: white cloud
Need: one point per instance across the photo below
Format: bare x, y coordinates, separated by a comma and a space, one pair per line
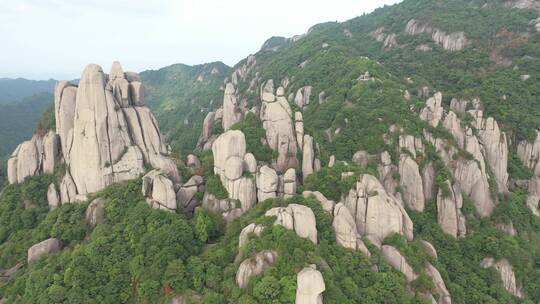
57, 38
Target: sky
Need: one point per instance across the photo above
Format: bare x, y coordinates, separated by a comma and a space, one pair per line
42, 39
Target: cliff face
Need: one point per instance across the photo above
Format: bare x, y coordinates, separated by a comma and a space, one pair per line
104, 134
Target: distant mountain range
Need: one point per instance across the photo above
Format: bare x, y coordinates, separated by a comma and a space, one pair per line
16, 89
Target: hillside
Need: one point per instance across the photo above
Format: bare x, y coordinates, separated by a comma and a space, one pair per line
391, 158
12, 90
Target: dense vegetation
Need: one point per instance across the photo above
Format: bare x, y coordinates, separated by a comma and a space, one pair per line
180, 96
14, 90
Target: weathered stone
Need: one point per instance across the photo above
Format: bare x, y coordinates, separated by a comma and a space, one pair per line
440, 287
159, 191
377, 213
346, 231
185, 196
298, 218
303, 96
310, 286
247, 231
398, 262
68, 190
53, 198
508, 278
387, 171
433, 111
43, 248
326, 204
254, 266
452, 41
299, 127
231, 108
308, 156
267, 183
361, 158
289, 183
428, 248
411, 183
95, 213
450, 217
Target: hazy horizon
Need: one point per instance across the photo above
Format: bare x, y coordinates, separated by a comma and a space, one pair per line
46, 39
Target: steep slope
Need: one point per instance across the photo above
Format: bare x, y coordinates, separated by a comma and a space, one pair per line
365, 161
181, 95
12, 90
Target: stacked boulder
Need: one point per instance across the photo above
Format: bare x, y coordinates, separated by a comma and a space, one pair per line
278, 121
309, 286
104, 133
34, 157
298, 218
376, 212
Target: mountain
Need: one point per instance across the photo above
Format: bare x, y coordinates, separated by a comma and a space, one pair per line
19, 120
19, 88
391, 158
181, 95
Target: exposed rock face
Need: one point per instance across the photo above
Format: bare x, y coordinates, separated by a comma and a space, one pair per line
411, 183
229, 152
193, 163
254, 266
159, 191
53, 198
33, 157
68, 190
452, 42
267, 183
508, 277
289, 183
412, 144
104, 132
388, 40
249, 229
299, 126
361, 158
376, 212
346, 231
225, 207
433, 111
473, 181
428, 248
398, 262
533, 198
39, 250
231, 108
302, 97
428, 179
495, 147
440, 287
7, 274
278, 121
327, 205
298, 218
529, 154
95, 213
450, 217
185, 196
310, 286
387, 171
453, 124
308, 157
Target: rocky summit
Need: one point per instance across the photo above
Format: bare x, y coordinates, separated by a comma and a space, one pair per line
390, 158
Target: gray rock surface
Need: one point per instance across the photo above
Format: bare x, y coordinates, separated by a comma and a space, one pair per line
247, 231
326, 204
411, 183
449, 41
254, 266
95, 213
433, 111
508, 278
43, 248
53, 199
231, 108
449, 215
298, 218
346, 232
309, 286
398, 262
376, 212
158, 190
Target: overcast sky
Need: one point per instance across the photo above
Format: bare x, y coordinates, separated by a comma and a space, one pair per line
43, 39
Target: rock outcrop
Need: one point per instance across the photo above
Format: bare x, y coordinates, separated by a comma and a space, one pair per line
185, 196
289, 183
267, 183
41, 249
303, 96
398, 262
278, 121
529, 154
254, 266
433, 111
95, 213
495, 147
53, 199
326, 204
387, 39
308, 157
440, 286
247, 231
158, 190
449, 41
387, 172
411, 183
506, 272
104, 133
33, 157
376, 212
232, 112
230, 162
309, 286
346, 232
298, 218
449, 215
